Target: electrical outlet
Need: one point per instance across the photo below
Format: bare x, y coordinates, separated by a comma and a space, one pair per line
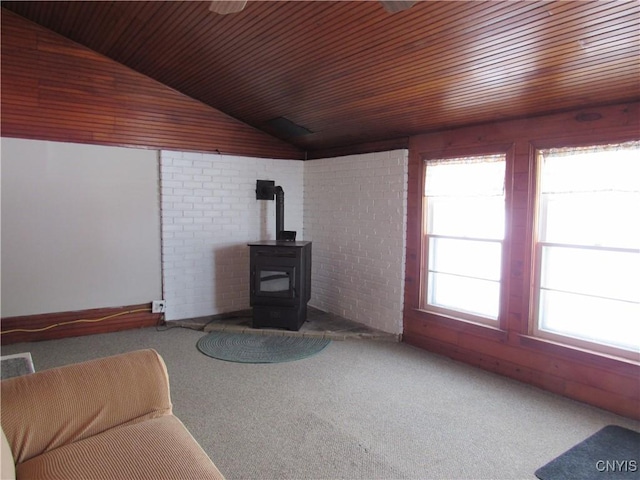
158, 306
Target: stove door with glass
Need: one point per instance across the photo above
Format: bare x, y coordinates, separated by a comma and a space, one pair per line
280, 283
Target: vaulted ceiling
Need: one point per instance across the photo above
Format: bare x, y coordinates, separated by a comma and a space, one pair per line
324, 75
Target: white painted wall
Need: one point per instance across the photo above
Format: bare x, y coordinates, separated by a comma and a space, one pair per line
209, 214
80, 227
355, 214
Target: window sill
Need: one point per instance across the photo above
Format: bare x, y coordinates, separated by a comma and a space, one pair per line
583, 355
545, 346
463, 324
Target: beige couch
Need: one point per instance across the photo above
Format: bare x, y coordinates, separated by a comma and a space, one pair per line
109, 418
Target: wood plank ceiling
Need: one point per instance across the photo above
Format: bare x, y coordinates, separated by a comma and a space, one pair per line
351, 73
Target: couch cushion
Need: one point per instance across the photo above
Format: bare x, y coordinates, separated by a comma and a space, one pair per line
48, 409
160, 448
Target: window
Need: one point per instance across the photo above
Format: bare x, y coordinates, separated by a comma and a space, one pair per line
464, 230
588, 247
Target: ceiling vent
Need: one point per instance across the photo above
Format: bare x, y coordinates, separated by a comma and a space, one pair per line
284, 128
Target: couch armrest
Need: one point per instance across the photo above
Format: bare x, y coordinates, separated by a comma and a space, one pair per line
7, 468
48, 409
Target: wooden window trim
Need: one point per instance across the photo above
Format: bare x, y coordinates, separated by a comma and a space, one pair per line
534, 330
475, 321
599, 379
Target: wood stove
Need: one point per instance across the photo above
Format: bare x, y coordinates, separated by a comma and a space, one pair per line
280, 271
280, 283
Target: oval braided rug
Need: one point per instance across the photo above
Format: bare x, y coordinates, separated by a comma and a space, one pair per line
253, 348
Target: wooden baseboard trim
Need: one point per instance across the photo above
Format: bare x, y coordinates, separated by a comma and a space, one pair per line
49, 326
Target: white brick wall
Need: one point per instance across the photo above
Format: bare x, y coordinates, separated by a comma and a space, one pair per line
209, 213
355, 214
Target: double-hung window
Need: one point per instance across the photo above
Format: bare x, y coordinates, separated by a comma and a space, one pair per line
464, 208
587, 247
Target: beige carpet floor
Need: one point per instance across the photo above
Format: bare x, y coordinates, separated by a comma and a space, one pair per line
360, 409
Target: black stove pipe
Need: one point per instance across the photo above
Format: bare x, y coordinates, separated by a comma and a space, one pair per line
279, 193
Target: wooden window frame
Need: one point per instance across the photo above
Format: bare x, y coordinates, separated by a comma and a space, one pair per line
534, 329
600, 379
450, 313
